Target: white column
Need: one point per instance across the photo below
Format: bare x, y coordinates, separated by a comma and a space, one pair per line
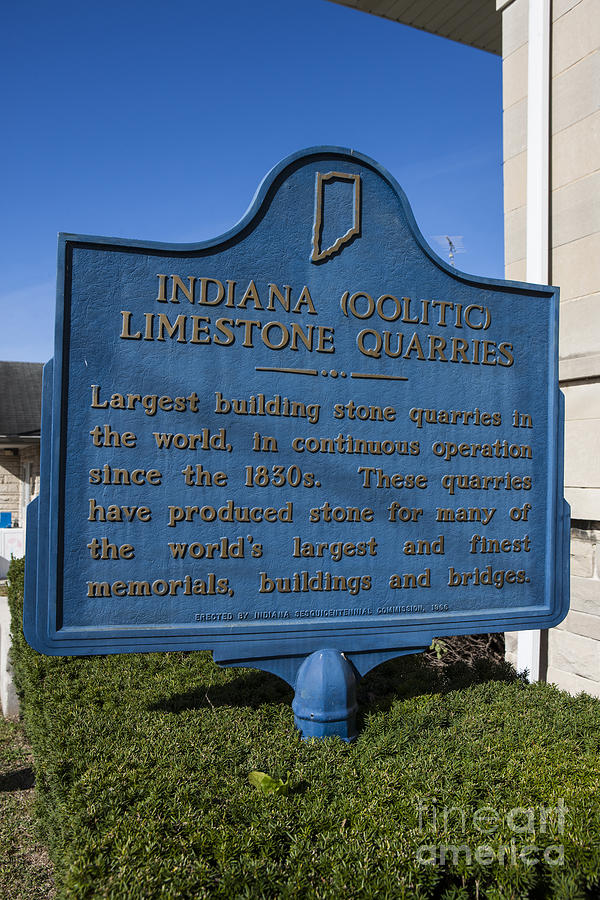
538, 141
538, 210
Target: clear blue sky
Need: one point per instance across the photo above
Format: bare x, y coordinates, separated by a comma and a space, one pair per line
157, 121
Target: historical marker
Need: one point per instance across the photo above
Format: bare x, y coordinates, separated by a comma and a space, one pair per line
308, 445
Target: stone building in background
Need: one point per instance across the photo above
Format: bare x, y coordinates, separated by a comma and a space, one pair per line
20, 417
570, 654
551, 120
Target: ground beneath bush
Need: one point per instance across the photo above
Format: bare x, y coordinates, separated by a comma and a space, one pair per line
25, 867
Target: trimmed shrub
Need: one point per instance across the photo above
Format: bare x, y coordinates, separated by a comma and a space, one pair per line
142, 765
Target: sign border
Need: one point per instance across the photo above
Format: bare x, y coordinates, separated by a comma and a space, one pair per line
43, 587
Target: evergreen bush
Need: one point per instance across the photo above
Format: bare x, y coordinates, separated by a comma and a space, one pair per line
142, 765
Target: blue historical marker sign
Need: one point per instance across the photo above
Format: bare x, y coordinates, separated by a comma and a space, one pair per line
308, 445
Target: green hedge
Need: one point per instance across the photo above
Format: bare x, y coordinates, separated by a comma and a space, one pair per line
142, 766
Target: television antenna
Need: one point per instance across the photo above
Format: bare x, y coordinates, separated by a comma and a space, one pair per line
452, 243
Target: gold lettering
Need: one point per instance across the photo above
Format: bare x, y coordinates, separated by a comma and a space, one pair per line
251, 294
305, 300
285, 336
177, 326
325, 342
204, 282
414, 345
162, 289
126, 329
177, 285
230, 293
274, 292
199, 329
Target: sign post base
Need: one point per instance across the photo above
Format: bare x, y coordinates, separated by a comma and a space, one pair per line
325, 700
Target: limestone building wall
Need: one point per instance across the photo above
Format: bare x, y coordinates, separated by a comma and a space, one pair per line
19, 483
10, 483
19, 480
572, 650
30, 475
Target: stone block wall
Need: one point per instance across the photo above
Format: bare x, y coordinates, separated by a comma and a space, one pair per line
30, 474
572, 649
10, 483
19, 480
574, 216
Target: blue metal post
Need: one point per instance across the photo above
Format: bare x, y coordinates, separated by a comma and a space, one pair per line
325, 700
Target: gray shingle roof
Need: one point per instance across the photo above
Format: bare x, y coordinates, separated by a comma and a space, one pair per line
20, 398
